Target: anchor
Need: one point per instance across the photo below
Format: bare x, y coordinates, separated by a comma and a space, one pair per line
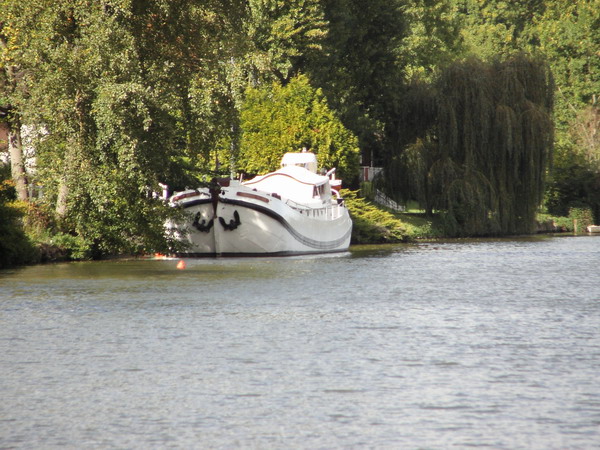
203, 226
233, 223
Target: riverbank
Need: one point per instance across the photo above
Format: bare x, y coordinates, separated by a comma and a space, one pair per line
373, 224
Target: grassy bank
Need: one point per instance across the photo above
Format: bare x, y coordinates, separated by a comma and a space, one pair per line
374, 224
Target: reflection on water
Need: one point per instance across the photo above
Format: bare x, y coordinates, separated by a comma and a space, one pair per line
490, 343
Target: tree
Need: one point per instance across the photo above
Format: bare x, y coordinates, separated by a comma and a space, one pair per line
432, 39
565, 33
9, 79
372, 49
283, 37
272, 41
360, 71
482, 156
573, 184
111, 84
279, 119
497, 27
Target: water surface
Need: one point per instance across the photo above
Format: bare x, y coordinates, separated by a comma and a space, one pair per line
491, 343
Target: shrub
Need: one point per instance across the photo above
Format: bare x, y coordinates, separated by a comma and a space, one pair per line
15, 246
583, 218
373, 225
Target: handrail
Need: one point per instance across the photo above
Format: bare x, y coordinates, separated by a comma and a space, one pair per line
333, 211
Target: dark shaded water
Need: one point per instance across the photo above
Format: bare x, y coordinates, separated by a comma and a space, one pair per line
492, 344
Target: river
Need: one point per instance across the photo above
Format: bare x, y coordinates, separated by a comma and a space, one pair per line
474, 343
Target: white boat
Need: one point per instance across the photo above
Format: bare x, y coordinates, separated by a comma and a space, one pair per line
290, 211
593, 229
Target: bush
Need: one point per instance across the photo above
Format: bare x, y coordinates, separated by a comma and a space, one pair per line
581, 218
278, 119
373, 225
15, 246
72, 247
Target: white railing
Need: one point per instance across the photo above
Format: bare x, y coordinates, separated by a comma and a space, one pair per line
384, 200
326, 213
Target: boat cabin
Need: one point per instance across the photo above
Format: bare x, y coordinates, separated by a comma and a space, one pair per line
305, 159
295, 183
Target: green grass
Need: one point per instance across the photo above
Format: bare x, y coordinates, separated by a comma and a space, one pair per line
374, 224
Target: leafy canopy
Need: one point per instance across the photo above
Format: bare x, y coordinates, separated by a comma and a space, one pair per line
486, 143
277, 119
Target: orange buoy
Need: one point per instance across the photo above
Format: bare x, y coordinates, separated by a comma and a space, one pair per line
181, 264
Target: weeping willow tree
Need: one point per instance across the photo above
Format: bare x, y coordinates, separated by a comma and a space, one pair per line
482, 147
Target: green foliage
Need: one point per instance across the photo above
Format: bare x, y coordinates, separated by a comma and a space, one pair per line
279, 119
72, 247
373, 225
432, 39
573, 183
564, 31
114, 88
482, 160
360, 69
559, 223
566, 34
496, 27
282, 36
15, 246
126, 94
423, 226
367, 190
582, 218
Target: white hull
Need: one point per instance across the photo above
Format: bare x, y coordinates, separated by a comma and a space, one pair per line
241, 221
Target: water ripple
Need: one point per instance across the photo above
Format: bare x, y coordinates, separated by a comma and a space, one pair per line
483, 343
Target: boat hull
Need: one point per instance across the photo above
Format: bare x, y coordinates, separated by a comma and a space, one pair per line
243, 222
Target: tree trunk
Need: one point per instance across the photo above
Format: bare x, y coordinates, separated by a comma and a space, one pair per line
61, 201
68, 172
15, 145
17, 165
70, 162
64, 186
